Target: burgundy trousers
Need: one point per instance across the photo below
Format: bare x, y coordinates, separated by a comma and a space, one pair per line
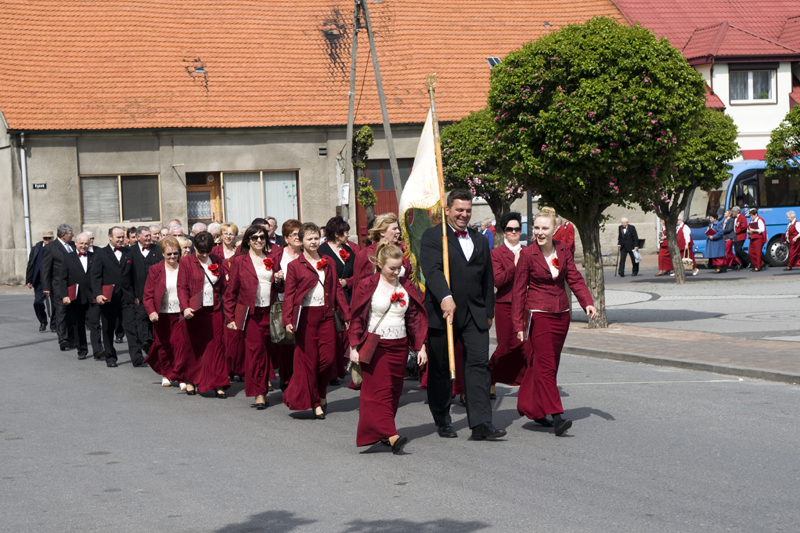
381, 390
314, 360
538, 395
508, 360
256, 361
162, 352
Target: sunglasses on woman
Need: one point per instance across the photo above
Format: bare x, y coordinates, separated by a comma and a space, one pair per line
258, 238
511, 229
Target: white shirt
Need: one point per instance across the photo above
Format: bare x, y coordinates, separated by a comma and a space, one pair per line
84, 262
66, 245
169, 302
514, 249
761, 227
316, 296
264, 288
144, 252
393, 325
117, 253
467, 246
553, 268
687, 232
208, 288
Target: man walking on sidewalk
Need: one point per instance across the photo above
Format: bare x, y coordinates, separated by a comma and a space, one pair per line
628, 242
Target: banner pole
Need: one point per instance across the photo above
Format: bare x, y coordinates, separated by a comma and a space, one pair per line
430, 82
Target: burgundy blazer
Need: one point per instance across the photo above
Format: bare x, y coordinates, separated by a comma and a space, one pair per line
360, 305
220, 251
191, 278
301, 278
364, 266
504, 271
566, 233
243, 284
155, 287
535, 288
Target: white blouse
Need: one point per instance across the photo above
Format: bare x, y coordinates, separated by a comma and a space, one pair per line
393, 325
264, 288
553, 269
208, 288
285, 260
316, 296
169, 302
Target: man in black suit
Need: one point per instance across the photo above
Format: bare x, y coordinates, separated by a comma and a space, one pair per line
33, 279
75, 271
272, 229
113, 265
52, 257
628, 242
469, 304
144, 255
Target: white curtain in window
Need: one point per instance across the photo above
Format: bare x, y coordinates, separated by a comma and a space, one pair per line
242, 197
762, 85
280, 195
100, 200
739, 85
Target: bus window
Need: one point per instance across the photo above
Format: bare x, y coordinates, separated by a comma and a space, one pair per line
781, 190
746, 189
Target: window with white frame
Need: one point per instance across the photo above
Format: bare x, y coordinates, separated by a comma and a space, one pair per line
117, 199
752, 86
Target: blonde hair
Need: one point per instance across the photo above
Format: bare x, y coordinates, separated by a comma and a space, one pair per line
382, 223
231, 226
547, 212
183, 241
385, 251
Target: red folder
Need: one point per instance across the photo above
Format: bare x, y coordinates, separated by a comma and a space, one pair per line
108, 292
710, 232
753, 225
72, 292
196, 301
240, 316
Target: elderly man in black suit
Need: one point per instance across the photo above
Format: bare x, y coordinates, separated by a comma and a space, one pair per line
52, 257
33, 279
468, 303
113, 269
76, 288
628, 242
275, 239
144, 255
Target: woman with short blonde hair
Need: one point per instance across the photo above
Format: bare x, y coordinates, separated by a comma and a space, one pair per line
385, 230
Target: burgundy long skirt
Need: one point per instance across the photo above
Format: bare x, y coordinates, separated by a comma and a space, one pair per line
508, 360
314, 360
234, 351
256, 360
215, 365
162, 353
200, 341
538, 395
754, 249
381, 390
664, 260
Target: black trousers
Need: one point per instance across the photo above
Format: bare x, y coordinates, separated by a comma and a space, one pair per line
623, 255
77, 319
38, 304
95, 330
111, 312
477, 377
144, 331
63, 323
744, 258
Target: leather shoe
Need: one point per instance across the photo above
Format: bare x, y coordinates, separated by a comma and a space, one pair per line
563, 426
43, 327
111, 364
487, 431
397, 447
621, 275
63, 345
543, 422
141, 365
99, 355
83, 356
446, 431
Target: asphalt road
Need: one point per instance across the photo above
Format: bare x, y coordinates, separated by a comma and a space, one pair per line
87, 448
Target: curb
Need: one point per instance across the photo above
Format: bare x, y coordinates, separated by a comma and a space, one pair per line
768, 375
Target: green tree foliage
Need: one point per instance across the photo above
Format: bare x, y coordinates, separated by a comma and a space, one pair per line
709, 141
783, 150
363, 140
471, 160
588, 117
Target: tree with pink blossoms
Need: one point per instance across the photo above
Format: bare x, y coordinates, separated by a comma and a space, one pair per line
585, 114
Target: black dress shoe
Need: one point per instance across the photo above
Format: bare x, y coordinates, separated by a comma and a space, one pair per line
446, 431
563, 426
43, 327
83, 356
99, 355
221, 394
397, 447
63, 345
141, 364
146, 347
787, 268
492, 396
111, 364
335, 382
621, 275
543, 422
324, 408
487, 431
319, 417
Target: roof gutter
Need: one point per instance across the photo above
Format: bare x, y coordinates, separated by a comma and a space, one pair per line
23, 163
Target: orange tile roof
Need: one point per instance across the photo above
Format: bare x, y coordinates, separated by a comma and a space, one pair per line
713, 101
106, 64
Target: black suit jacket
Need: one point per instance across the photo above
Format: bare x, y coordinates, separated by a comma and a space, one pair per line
728, 230
33, 272
106, 270
141, 267
279, 240
630, 240
472, 282
72, 272
52, 256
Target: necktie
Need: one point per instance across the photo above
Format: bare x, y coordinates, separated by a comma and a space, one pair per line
461, 234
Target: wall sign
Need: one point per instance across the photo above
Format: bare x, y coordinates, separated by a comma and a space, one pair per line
39, 186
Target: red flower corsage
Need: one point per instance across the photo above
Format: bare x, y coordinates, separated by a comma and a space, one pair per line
400, 298
322, 263
343, 254
554, 262
268, 263
214, 269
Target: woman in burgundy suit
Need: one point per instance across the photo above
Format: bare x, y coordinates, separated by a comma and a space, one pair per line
252, 286
395, 312
313, 291
508, 360
164, 310
282, 355
757, 232
200, 288
793, 240
664, 259
539, 298
386, 230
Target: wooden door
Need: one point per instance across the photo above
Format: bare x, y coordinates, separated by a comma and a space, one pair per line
203, 203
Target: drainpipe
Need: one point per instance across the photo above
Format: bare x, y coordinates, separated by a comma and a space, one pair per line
26, 209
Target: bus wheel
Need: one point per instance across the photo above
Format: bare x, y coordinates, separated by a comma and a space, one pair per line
777, 252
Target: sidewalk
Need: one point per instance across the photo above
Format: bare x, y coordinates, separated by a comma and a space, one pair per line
769, 360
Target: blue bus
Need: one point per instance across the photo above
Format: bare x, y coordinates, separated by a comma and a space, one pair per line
749, 186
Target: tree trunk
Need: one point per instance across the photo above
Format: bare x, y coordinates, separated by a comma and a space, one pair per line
674, 251
499, 210
589, 230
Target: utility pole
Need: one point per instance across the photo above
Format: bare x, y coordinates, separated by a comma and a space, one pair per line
361, 7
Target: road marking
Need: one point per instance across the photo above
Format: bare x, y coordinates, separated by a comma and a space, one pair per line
657, 382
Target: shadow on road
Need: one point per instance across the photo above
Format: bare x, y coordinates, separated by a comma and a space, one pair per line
272, 521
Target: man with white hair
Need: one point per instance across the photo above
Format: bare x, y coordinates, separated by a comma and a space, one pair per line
155, 233
628, 242
76, 292
176, 230
213, 229
52, 257
486, 231
197, 227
